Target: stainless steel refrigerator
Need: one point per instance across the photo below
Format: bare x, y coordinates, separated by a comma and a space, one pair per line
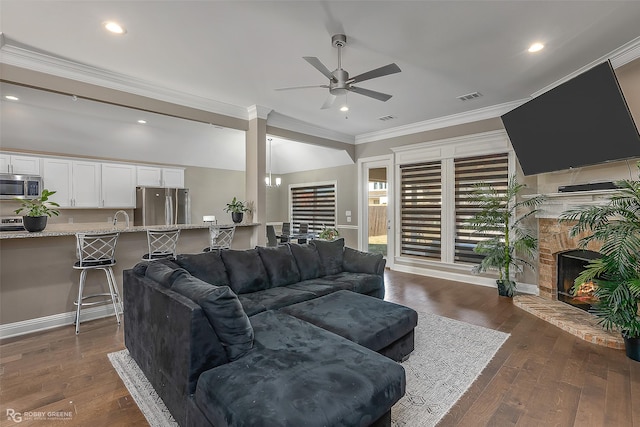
162, 206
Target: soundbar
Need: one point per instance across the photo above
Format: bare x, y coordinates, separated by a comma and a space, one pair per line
606, 185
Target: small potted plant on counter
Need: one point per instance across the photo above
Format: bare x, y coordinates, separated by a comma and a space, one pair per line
237, 209
37, 211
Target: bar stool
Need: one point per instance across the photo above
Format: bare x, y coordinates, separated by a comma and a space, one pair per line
161, 244
220, 237
96, 252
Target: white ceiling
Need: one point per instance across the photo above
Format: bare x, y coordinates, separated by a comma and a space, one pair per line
239, 52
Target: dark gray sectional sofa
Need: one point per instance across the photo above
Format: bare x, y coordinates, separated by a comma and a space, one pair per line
208, 332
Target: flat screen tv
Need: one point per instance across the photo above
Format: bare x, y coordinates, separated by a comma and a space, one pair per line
584, 121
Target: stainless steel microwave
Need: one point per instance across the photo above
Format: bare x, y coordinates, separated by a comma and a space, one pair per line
20, 186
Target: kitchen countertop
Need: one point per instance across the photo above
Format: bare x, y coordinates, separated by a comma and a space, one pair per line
55, 230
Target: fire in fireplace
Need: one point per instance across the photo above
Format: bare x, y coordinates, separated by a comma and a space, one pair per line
570, 265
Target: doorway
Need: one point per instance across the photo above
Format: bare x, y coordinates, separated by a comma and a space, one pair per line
375, 203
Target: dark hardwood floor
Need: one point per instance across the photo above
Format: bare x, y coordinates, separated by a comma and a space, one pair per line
541, 375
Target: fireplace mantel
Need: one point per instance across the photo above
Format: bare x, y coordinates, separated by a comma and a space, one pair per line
556, 203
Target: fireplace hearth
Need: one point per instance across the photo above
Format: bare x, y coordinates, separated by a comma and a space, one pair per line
569, 265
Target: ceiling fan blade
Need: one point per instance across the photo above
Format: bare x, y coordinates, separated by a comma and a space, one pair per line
315, 62
370, 93
328, 102
302, 87
378, 72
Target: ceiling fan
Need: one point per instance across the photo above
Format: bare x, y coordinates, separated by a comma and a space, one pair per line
339, 81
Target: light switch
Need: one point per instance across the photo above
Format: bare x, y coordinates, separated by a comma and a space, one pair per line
348, 213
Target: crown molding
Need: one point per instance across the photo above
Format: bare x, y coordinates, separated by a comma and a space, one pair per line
619, 57
258, 112
441, 122
289, 123
19, 55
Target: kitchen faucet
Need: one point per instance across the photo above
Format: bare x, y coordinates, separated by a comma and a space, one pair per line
126, 218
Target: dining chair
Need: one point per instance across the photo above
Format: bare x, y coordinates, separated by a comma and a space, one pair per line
272, 239
304, 229
286, 231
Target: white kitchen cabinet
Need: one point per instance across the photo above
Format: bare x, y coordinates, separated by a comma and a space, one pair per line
148, 176
76, 183
118, 185
173, 177
19, 165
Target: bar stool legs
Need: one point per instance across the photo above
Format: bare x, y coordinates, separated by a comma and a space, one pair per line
113, 295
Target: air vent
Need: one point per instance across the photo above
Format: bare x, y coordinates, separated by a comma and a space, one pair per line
387, 118
469, 96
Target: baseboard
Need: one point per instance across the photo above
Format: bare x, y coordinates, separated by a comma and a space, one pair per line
54, 321
525, 288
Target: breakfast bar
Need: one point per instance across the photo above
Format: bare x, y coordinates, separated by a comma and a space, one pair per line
38, 284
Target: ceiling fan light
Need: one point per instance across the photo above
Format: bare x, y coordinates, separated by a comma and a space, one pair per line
535, 47
114, 27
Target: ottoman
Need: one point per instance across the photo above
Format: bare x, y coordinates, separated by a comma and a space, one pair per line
381, 326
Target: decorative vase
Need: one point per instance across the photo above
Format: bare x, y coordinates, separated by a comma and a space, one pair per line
236, 217
34, 223
632, 348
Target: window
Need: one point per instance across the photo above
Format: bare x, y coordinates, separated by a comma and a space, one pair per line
420, 209
314, 204
492, 169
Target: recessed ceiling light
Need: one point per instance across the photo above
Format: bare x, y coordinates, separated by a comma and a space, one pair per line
11, 98
344, 108
142, 122
536, 47
114, 27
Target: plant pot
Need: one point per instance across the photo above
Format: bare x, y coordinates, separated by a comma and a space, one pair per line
34, 223
506, 288
632, 348
236, 217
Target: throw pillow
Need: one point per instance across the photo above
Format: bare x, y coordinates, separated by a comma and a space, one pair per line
360, 262
161, 272
246, 271
331, 255
207, 266
280, 265
307, 260
224, 311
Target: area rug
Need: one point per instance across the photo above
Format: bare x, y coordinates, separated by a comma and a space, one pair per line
449, 355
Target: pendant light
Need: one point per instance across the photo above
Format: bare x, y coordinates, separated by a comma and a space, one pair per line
269, 179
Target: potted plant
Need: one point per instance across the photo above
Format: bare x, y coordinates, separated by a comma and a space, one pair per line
329, 233
37, 211
616, 274
237, 209
502, 216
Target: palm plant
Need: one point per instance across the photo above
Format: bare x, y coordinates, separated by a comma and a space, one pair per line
501, 216
616, 225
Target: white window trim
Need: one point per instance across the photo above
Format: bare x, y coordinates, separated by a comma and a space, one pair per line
446, 150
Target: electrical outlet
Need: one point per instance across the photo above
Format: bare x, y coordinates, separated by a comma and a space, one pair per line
348, 219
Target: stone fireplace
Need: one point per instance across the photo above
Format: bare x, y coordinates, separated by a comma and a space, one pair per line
554, 241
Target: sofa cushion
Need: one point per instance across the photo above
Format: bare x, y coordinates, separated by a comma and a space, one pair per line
360, 262
308, 260
331, 255
272, 299
321, 286
207, 266
246, 271
224, 311
300, 375
161, 273
362, 283
280, 265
